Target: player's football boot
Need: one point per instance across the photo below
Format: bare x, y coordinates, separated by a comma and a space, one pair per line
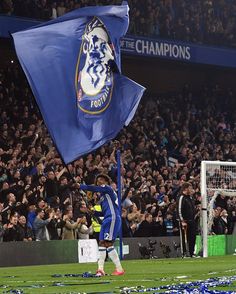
100, 273
117, 273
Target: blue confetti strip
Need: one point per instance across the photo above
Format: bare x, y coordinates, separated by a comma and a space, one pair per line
83, 275
15, 291
198, 287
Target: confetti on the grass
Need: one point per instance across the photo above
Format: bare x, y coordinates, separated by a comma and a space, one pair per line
32, 286
198, 287
83, 275
4, 286
15, 291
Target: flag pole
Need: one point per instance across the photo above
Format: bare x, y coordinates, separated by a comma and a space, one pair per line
119, 188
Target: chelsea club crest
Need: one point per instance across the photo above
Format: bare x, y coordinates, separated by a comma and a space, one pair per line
94, 76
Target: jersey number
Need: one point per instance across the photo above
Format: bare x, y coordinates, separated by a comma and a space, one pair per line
106, 236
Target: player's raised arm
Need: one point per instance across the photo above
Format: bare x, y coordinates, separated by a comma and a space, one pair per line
100, 189
102, 185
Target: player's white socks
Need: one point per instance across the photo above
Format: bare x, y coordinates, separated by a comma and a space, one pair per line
112, 253
102, 252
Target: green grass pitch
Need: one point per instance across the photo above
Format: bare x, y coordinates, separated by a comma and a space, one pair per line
148, 273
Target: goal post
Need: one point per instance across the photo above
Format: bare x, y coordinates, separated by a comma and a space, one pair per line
217, 177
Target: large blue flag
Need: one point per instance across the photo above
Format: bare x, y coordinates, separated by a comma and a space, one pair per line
73, 67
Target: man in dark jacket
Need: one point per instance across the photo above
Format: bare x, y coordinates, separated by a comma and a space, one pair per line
126, 229
186, 214
26, 233
51, 186
12, 232
145, 228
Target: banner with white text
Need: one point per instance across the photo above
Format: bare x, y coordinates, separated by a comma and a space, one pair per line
179, 51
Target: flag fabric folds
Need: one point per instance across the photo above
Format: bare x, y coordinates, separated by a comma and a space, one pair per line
74, 70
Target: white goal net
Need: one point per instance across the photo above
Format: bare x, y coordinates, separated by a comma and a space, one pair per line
217, 178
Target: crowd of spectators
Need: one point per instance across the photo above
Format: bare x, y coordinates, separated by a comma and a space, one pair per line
198, 21
201, 21
161, 148
47, 9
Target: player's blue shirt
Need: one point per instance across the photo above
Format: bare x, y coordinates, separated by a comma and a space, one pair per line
108, 199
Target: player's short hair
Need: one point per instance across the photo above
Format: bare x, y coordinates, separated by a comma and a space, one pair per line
105, 177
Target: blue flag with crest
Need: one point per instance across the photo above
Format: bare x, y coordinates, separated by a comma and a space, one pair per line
73, 67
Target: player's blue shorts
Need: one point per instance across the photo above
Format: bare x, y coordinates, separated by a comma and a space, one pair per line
110, 228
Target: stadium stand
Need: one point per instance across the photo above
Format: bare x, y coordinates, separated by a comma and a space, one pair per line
161, 148
201, 21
